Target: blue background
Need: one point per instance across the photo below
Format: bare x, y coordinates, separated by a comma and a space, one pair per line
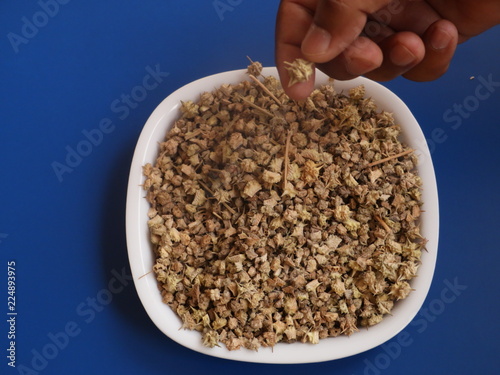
66, 232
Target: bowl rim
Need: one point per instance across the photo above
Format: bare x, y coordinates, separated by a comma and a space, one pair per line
140, 250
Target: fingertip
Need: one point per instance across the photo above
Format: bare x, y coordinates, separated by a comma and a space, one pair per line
401, 52
441, 35
401, 55
406, 49
441, 39
299, 91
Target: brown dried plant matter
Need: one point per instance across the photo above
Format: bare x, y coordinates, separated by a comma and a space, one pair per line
299, 70
286, 222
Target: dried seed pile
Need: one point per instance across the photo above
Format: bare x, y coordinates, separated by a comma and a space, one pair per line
274, 220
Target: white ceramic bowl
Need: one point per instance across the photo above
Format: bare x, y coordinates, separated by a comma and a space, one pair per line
140, 250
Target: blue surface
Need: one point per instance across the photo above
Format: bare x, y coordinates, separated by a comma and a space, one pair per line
83, 68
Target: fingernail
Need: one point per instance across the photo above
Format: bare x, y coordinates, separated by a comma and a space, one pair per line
359, 66
401, 56
440, 39
316, 41
348, 65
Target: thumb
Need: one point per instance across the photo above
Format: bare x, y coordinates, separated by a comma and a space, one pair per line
336, 24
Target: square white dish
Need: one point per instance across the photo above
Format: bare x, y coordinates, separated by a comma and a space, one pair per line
141, 255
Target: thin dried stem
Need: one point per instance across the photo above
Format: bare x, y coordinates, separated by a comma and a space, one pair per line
193, 134
256, 80
409, 151
384, 224
255, 106
287, 158
145, 274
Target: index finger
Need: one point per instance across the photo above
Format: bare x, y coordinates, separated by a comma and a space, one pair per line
293, 20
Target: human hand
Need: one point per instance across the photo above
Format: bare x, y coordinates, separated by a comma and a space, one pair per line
380, 39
